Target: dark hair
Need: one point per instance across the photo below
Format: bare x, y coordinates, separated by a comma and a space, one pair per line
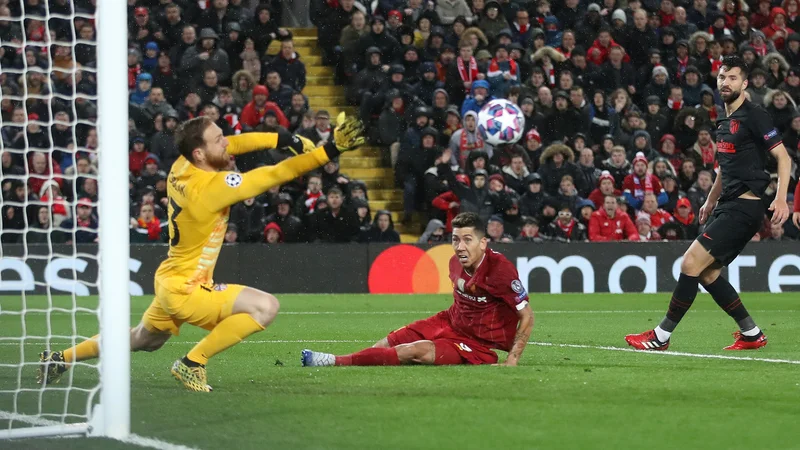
335, 190
733, 61
470, 220
189, 135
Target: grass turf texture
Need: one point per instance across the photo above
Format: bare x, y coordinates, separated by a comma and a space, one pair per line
559, 398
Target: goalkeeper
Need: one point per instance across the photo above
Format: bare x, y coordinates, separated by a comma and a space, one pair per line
201, 193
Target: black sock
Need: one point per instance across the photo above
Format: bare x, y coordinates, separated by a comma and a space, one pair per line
190, 363
728, 299
682, 298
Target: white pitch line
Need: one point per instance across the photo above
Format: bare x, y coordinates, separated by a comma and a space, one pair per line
133, 439
543, 311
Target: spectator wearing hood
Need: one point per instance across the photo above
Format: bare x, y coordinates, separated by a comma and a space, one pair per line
150, 57
476, 198
640, 143
382, 230
610, 223
493, 20
287, 63
206, 55
639, 182
552, 31
692, 86
379, 37
533, 200
361, 207
144, 82
411, 60
657, 122
253, 113
478, 98
248, 217
427, 84
435, 233
777, 31
291, 226
467, 140
791, 51
373, 103
369, 79
448, 202
413, 162
556, 161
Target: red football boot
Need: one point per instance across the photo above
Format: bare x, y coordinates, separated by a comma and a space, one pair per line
646, 341
741, 344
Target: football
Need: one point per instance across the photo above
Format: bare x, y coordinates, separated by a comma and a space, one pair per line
501, 122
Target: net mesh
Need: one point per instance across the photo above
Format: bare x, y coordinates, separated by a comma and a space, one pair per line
48, 264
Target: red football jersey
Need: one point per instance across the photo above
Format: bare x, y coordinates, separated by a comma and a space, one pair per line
486, 302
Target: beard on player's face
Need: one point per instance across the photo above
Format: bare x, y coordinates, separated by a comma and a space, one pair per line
729, 95
217, 160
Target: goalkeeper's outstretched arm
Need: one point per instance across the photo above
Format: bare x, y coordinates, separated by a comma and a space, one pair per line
226, 188
250, 142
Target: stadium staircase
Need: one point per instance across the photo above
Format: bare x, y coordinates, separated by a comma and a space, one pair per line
365, 163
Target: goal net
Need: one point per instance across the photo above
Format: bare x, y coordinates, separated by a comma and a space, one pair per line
64, 254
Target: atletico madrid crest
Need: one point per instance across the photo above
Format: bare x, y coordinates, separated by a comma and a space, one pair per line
734, 126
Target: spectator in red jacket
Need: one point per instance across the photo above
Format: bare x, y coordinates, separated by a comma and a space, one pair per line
609, 224
449, 203
253, 112
598, 52
777, 31
605, 186
657, 215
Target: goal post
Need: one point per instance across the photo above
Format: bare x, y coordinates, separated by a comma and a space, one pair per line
102, 409
113, 415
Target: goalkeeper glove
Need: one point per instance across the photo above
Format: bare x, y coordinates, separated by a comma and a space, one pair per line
293, 143
348, 134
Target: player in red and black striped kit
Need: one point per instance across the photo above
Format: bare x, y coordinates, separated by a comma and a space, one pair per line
490, 311
743, 139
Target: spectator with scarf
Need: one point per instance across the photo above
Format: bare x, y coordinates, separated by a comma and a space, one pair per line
639, 183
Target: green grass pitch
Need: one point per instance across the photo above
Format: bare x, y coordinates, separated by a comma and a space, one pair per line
573, 390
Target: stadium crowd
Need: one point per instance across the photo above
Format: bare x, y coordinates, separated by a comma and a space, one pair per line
619, 100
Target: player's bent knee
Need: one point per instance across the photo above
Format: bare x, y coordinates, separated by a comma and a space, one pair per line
266, 308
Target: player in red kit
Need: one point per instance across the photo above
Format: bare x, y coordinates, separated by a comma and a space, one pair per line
490, 311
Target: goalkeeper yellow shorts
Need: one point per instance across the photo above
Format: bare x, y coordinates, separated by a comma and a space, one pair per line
205, 307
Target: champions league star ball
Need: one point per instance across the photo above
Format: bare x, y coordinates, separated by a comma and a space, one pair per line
501, 122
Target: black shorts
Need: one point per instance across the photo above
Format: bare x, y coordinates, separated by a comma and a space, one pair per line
730, 227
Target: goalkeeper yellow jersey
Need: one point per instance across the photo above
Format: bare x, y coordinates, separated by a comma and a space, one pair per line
199, 206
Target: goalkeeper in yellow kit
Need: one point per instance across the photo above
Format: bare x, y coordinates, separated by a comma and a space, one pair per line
201, 193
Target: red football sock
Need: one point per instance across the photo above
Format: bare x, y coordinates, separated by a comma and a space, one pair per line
370, 357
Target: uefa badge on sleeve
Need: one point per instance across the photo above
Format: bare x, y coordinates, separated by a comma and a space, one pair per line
519, 289
233, 180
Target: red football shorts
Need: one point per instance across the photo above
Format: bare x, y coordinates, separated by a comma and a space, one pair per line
452, 347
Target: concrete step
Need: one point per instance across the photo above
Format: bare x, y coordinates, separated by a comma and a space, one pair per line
385, 194
324, 91
375, 205
361, 174
347, 162
307, 32
320, 71
375, 183
312, 80
319, 101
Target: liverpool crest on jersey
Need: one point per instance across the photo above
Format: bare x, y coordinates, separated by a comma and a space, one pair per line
734, 126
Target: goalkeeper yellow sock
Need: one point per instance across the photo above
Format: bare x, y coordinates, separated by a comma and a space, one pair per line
87, 349
229, 332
